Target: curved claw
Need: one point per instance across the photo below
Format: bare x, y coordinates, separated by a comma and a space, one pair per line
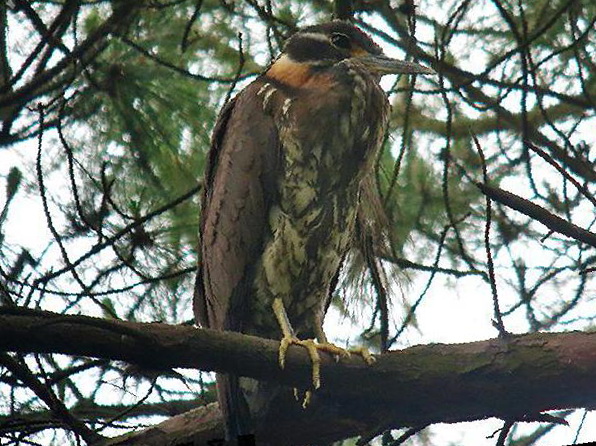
311, 347
365, 354
307, 397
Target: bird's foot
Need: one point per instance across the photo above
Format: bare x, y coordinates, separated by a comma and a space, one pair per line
313, 348
364, 353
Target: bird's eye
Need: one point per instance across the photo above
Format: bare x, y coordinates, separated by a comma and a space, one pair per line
341, 41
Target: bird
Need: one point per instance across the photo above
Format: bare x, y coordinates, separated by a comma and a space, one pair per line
282, 188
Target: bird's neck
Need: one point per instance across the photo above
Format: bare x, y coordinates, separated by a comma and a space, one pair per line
293, 74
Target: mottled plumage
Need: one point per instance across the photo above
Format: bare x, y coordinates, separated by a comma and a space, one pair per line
288, 159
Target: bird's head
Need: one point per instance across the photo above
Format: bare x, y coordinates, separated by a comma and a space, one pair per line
317, 47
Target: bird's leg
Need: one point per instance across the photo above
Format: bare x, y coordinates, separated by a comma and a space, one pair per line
312, 347
290, 338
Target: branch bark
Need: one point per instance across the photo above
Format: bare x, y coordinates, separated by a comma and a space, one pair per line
514, 378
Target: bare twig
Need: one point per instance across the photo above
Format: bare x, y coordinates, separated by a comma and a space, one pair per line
45, 393
498, 321
538, 213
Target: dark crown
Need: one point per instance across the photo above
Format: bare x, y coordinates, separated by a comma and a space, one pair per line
329, 42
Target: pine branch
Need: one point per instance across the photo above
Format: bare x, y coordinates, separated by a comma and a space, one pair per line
461, 79
412, 387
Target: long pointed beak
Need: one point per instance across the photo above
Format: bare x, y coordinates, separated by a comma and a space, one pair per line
385, 65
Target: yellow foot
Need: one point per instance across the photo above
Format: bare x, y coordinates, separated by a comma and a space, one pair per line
366, 355
312, 348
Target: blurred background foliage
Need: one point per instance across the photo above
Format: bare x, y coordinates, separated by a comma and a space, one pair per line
107, 109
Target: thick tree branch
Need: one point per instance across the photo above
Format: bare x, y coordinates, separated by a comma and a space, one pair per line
512, 379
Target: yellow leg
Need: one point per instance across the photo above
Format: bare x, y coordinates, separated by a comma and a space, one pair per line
312, 347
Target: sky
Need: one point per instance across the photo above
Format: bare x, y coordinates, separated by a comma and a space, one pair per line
447, 315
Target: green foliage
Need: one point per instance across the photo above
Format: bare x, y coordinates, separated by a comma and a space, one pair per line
136, 109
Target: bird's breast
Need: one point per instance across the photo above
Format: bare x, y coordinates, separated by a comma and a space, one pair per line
328, 143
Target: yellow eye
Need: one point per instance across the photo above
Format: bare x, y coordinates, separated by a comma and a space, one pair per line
341, 41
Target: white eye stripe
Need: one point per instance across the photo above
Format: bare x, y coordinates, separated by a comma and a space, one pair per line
315, 36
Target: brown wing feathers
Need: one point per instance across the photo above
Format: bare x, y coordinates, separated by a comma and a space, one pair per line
236, 205
237, 196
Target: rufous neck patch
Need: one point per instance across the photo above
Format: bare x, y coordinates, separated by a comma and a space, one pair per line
289, 72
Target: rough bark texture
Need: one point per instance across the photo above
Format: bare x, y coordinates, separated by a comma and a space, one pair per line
516, 378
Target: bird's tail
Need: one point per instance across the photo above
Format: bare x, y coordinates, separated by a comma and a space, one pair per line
235, 410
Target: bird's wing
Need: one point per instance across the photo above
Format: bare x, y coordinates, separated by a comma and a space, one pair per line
239, 189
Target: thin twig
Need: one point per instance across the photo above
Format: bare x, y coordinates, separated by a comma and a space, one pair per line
532, 210
504, 433
498, 322
57, 237
238, 71
407, 434
549, 159
121, 233
188, 27
25, 375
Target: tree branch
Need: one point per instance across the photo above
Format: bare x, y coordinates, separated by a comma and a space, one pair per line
461, 79
415, 386
88, 410
66, 69
532, 210
23, 374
